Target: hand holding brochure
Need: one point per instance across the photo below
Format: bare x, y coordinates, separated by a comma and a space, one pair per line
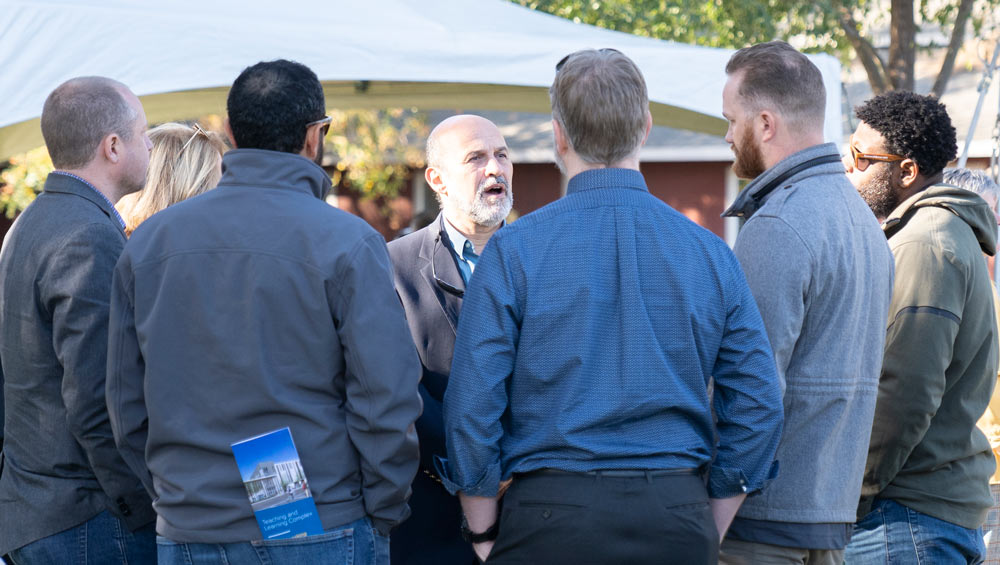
277, 486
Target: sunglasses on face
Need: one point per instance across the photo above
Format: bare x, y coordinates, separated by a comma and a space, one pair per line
863, 160
326, 125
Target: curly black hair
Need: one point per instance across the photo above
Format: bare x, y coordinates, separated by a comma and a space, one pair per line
914, 126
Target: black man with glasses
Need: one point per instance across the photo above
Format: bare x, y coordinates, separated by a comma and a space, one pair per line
925, 493
469, 170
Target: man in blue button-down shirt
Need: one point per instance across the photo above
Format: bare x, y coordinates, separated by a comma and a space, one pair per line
586, 345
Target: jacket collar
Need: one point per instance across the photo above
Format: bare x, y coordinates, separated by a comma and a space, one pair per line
745, 204
274, 169
71, 184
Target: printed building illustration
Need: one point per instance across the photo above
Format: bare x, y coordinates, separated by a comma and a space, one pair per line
269, 479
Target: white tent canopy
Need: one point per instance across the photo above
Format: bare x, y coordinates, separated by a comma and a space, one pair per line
181, 56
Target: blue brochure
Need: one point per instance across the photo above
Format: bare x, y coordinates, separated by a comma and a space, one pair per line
276, 485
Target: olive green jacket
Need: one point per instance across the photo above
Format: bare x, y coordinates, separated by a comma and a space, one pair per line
940, 360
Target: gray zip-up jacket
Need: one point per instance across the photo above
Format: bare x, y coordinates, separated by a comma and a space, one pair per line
249, 308
821, 272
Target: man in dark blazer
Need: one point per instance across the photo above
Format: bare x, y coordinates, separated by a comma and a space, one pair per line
66, 495
469, 170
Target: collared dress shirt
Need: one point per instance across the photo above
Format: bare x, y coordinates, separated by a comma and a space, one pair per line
468, 257
588, 339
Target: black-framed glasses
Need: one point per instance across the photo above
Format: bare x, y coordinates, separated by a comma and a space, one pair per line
449, 288
562, 61
863, 160
325, 127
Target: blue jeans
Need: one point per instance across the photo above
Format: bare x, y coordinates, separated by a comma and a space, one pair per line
357, 543
104, 539
893, 533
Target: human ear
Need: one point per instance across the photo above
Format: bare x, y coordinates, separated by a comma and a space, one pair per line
433, 177
229, 134
767, 123
909, 171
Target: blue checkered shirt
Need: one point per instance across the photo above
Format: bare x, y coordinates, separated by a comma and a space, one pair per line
587, 341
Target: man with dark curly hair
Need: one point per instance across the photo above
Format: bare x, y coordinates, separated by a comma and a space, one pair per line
925, 492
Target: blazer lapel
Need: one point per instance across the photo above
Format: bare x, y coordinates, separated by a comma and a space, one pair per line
439, 261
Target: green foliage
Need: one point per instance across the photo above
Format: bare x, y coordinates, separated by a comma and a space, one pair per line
714, 23
734, 24
23, 179
375, 149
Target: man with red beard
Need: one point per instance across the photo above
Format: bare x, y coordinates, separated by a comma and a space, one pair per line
821, 274
926, 483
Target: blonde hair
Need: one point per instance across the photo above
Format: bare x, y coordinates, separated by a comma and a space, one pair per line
184, 163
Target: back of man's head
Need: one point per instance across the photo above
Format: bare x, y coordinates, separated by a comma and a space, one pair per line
774, 76
915, 126
79, 113
975, 181
599, 100
271, 103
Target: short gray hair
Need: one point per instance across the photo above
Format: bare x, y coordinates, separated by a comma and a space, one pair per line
777, 77
79, 113
599, 99
975, 181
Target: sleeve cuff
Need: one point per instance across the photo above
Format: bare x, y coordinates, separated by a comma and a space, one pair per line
727, 482
487, 485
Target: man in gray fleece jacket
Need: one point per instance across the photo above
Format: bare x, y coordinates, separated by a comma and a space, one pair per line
821, 273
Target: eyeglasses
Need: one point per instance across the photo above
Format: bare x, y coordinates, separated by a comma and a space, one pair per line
862, 160
197, 131
326, 125
562, 61
451, 289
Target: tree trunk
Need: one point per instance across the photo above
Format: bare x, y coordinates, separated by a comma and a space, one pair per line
957, 38
902, 45
873, 64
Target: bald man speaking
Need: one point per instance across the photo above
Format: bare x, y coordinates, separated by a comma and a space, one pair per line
469, 170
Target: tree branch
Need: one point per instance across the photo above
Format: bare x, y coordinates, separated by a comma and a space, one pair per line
902, 45
957, 38
873, 64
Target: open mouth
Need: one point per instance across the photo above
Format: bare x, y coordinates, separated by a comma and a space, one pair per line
495, 190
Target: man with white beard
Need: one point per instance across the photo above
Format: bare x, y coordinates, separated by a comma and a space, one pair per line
469, 169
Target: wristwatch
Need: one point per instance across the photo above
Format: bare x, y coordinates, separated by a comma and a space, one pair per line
472, 537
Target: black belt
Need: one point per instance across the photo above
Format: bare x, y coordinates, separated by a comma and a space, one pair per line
617, 473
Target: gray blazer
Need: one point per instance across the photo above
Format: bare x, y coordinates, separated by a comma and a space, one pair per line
431, 535
60, 464
432, 309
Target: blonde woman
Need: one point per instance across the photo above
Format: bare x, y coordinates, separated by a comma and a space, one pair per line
185, 161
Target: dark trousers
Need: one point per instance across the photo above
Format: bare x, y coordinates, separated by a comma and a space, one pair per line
553, 517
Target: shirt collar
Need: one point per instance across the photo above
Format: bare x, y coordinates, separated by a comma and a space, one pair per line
458, 240
606, 178
114, 210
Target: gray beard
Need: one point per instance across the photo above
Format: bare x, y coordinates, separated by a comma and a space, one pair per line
483, 213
